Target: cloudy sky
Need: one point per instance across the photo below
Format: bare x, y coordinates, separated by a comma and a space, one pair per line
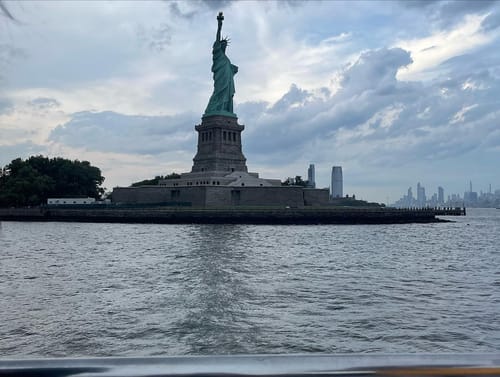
394, 92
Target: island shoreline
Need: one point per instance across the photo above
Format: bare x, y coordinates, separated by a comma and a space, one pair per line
269, 216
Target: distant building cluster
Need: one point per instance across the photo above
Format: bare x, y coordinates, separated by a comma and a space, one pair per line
337, 182
470, 198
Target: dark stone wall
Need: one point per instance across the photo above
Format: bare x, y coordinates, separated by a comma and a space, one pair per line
268, 196
316, 197
222, 196
196, 196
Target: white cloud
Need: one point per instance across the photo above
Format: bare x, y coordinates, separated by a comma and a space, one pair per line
29, 121
123, 84
119, 133
428, 52
460, 115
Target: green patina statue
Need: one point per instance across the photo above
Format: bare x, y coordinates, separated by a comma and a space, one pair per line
221, 101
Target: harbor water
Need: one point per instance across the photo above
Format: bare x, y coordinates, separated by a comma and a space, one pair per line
80, 289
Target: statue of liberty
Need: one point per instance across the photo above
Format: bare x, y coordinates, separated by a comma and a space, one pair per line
221, 101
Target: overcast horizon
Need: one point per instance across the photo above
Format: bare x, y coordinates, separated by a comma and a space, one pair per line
395, 92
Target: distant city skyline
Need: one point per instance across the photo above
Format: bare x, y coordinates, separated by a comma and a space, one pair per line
389, 90
469, 197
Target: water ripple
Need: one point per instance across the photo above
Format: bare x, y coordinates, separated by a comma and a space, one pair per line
137, 289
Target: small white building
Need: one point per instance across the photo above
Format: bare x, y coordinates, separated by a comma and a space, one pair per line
70, 201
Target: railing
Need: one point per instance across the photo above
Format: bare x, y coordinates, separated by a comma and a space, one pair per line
321, 365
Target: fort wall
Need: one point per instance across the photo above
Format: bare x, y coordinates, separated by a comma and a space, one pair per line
221, 196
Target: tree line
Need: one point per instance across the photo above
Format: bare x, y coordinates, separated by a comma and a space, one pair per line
30, 182
155, 180
297, 181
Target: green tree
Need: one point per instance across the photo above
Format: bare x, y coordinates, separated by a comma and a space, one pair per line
297, 181
155, 180
31, 181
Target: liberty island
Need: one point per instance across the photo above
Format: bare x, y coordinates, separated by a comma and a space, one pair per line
219, 188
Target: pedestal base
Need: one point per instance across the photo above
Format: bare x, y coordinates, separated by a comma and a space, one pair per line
219, 145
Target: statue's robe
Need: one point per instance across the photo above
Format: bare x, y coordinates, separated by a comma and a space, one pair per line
221, 100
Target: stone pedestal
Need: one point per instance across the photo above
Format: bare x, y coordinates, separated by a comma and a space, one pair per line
219, 145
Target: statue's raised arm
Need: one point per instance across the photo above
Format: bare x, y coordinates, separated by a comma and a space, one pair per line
221, 101
220, 18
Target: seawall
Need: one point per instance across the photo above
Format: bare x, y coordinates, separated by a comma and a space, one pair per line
232, 215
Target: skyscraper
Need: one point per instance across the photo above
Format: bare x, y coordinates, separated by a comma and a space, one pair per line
337, 182
440, 195
421, 199
311, 176
409, 197
470, 196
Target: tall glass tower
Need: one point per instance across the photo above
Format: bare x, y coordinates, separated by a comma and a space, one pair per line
311, 176
337, 182
440, 195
